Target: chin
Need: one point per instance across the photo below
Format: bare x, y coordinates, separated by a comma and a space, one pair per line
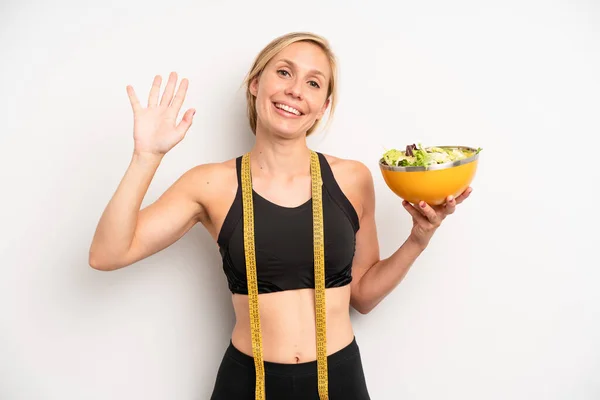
288, 132
285, 129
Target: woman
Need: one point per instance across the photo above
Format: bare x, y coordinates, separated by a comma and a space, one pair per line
296, 228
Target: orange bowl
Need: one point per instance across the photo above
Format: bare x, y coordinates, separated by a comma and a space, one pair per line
434, 183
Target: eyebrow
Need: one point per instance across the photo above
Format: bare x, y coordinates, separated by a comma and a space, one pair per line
314, 71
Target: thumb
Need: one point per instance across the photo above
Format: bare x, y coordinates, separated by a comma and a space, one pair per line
186, 121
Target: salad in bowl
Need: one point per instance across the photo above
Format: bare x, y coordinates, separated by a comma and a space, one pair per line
419, 156
429, 174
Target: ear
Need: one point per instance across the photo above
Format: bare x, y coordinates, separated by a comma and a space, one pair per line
254, 86
324, 108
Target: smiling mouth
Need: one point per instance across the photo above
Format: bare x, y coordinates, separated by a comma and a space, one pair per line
288, 109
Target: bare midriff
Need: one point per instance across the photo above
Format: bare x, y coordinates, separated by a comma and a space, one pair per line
288, 324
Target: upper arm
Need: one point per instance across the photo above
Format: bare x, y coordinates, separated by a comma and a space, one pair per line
367, 243
167, 219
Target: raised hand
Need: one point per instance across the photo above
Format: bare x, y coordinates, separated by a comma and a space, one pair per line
155, 127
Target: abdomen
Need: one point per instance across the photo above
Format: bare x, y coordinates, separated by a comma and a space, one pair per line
288, 324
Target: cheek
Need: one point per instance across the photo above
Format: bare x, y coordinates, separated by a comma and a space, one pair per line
269, 87
317, 103
262, 98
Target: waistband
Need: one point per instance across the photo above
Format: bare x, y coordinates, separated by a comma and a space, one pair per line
306, 368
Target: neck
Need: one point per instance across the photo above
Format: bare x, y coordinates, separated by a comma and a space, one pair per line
278, 156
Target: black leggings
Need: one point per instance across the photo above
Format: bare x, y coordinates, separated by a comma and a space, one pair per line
236, 377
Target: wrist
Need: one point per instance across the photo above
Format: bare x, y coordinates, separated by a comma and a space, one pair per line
146, 158
416, 243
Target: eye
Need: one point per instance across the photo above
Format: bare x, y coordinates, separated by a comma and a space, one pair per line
283, 72
314, 84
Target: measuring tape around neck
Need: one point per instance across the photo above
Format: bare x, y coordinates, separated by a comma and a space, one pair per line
319, 266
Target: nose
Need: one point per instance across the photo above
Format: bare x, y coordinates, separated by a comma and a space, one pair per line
294, 89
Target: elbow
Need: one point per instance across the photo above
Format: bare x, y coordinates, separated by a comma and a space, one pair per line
98, 265
101, 264
361, 301
361, 307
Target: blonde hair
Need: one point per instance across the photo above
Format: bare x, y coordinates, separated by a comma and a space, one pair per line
269, 51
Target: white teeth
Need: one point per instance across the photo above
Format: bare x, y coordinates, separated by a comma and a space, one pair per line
287, 108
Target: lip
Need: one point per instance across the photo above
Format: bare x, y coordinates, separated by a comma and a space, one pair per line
282, 112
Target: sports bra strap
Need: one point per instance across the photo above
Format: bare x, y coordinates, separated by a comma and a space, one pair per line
238, 169
336, 192
329, 182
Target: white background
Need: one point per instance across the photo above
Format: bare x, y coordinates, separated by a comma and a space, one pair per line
504, 304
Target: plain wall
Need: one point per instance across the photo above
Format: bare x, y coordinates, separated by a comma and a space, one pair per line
504, 304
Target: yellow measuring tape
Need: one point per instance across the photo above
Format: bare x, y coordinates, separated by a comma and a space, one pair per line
319, 260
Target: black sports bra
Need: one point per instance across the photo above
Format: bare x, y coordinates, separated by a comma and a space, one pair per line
284, 240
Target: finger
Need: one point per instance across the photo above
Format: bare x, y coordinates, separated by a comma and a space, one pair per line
429, 213
464, 195
450, 205
154, 91
412, 210
169, 90
133, 99
186, 122
180, 96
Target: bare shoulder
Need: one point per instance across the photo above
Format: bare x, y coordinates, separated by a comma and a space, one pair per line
210, 181
212, 170
355, 180
348, 171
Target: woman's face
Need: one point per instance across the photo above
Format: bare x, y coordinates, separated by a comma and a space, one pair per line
291, 92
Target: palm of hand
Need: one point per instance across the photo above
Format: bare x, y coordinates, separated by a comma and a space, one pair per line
155, 132
155, 129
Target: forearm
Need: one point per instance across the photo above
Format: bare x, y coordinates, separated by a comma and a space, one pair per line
116, 228
385, 275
